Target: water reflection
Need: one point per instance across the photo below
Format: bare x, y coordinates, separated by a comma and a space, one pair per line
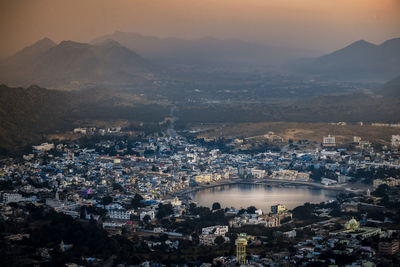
261, 196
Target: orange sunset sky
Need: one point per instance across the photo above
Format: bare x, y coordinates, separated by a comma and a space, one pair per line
317, 24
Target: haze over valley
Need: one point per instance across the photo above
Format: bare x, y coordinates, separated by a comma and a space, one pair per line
200, 133
202, 78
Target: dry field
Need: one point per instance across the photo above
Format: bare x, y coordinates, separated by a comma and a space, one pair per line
300, 131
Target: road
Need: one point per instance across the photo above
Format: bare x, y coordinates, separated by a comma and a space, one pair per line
171, 131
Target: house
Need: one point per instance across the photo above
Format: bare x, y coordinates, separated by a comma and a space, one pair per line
216, 230
326, 181
80, 130
12, 197
44, 147
395, 140
290, 234
120, 214
277, 209
329, 141
150, 213
208, 234
272, 221
256, 173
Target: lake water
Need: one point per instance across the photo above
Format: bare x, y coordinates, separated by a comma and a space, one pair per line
261, 196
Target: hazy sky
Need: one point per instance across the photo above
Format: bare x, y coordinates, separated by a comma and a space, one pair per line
317, 24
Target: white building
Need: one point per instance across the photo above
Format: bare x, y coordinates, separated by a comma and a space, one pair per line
329, 141
207, 240
28, 157
151, 214
114, 130
259, 212
396, 140
12, 197
208, 234
120, 214
216, 230
80, 130
113, 224
342, 179
290, 234
256, 173
356, 139
326, 181
44, 147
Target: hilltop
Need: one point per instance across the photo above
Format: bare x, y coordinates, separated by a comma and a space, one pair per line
75, 65
360, 60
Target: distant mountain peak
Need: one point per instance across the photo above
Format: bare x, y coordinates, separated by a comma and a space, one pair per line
362, 41
32, 51
45, 41
361, 60
75, 65
109, 42
42, 44
355, 48
395, 42
71, 43
361, 44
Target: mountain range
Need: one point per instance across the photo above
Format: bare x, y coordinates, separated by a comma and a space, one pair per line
207, 51
128, 60
72, 64
360, 60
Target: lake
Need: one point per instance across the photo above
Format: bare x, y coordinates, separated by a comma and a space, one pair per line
261, 196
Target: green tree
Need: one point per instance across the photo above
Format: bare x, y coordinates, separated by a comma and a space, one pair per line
303, 212
195, 238
216, 206
381, 191
118, 187
164, 210
192, 207
136, 201
146, 219
251, 210
106, 200
219, 240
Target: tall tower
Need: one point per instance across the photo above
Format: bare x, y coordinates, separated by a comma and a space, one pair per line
241, 244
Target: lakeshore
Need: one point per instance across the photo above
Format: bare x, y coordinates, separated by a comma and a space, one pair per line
281, 182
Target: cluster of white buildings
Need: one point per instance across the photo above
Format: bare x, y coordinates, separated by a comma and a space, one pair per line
100, 131
15, 198
209, 234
